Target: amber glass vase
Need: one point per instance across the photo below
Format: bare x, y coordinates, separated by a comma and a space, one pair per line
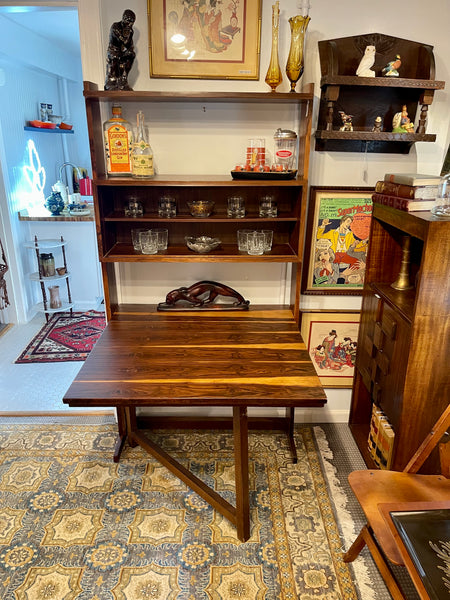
274, 77
295, 64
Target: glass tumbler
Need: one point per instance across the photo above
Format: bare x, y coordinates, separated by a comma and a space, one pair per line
268, 239
136, 239
163, 238
255, 243
236, 207
441, 206
167, 207
149, 242
242, 235
268, 207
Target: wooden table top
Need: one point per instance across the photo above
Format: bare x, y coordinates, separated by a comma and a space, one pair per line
204, 358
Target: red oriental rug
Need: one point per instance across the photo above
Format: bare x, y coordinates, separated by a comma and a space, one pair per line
65, 337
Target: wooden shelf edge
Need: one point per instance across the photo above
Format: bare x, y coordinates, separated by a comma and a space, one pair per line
197, 181
90, 91
372, 136
387, 82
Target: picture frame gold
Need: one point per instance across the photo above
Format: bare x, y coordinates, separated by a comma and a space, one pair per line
333, 354
191, 40
337, 240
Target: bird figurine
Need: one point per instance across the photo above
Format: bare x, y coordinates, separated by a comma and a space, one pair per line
366, 62
391, 69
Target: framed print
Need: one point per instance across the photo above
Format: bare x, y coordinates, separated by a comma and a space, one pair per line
204, 39
337, 240
331, 340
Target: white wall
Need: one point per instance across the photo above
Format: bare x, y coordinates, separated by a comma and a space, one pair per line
408, 19
33, 70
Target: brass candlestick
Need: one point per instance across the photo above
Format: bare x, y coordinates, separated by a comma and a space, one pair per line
403, 282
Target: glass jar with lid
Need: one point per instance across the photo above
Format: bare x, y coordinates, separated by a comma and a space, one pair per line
285, 149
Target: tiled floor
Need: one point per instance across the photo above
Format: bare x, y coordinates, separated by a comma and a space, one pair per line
33, 387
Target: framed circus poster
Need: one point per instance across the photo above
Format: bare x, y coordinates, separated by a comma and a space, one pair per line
331, 339
204, 40
337, 240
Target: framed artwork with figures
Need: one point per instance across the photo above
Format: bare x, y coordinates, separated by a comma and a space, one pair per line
337, 240
331, 339
204, 39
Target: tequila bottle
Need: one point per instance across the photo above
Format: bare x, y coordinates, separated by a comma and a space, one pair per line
141, 153
117, 136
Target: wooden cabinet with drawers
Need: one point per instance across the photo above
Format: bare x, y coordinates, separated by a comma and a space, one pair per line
404, 337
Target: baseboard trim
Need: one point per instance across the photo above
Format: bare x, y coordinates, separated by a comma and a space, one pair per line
57, 413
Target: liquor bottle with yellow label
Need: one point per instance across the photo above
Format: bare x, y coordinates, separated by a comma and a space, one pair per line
117, 136
141, 152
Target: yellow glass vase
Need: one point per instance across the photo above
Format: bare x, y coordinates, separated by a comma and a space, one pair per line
295, 64
273, 76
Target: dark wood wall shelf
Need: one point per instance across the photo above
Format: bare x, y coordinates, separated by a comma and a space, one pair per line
111, 194
366, 98
404, 336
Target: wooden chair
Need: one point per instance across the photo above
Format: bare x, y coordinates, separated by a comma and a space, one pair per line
377, 490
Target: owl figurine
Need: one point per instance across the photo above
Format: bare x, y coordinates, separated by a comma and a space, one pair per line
367, 61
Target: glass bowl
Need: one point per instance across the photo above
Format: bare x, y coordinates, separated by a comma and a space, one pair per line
202, 244
201, 208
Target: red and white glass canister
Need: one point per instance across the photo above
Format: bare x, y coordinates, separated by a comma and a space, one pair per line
285, 148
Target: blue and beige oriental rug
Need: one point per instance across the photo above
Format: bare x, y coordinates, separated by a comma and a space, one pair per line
76, 525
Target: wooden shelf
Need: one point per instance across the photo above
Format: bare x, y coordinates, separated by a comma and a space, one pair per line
367, 98
121, 252
47, 130
112, 193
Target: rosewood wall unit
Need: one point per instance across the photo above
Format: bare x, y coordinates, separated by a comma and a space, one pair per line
110, 195
404, 336
369, 97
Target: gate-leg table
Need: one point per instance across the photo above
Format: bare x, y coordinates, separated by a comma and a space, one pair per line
255, 358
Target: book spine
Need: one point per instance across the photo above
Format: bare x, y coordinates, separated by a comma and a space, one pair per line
402, 190
374, 431
386, 444
402, 203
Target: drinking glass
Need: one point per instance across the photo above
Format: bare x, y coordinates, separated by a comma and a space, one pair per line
255, 243
149, 242
268, 207
242, 239
163, 238
236, 207
167, 207
136, 239
268, 239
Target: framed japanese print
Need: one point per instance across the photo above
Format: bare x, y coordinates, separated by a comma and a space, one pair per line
337, 240
204, 40
331, 340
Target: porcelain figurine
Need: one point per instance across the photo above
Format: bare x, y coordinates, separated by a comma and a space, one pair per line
401, 123
203, 293
391, 69
347, 124
367, 61
377, 124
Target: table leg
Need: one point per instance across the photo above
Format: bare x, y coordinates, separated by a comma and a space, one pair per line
240, 432
130, 414
122, 427
290, 415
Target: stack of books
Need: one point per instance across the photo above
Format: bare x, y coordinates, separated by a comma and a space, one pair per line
407, 191
381, 439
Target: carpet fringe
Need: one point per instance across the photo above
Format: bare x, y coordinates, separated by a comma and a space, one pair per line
345, 521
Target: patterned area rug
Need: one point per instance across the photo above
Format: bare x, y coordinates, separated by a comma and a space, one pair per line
76, 525
65, 337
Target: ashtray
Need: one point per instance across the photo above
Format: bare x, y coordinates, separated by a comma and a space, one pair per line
201, 208
202, 244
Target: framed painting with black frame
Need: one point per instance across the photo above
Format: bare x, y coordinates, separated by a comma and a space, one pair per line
331, 338
337, 239
213, 40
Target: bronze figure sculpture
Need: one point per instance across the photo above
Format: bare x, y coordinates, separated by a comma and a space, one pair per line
121, 53
201, 295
